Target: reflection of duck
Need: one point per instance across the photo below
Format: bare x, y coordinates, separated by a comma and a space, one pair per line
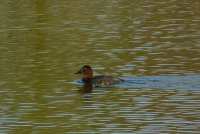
97, 81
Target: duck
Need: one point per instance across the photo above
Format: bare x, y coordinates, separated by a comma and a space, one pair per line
89, 79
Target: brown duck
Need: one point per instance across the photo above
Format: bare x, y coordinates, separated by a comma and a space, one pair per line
97, 81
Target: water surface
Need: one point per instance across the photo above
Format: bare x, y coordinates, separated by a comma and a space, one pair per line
42, 44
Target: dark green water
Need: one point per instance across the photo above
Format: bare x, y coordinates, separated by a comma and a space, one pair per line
42, 44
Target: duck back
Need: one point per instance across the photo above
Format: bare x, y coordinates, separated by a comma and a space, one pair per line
102, 80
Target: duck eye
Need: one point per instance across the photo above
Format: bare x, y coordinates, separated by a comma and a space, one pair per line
84, 69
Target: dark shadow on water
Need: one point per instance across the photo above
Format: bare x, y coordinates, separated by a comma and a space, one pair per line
86, 88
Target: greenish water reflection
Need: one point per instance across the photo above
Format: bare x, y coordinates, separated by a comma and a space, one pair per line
43, 42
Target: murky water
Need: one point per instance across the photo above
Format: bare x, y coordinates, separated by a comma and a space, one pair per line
153, 44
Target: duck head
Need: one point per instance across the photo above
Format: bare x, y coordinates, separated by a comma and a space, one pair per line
86, 71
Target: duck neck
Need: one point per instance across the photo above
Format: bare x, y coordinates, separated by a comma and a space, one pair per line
87, 80
88, 76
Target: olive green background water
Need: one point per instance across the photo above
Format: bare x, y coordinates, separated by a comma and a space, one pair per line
42, 44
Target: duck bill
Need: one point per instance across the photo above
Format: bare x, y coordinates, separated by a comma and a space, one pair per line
79, 72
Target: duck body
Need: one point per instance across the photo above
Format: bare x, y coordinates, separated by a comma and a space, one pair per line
102, 81
97, 81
